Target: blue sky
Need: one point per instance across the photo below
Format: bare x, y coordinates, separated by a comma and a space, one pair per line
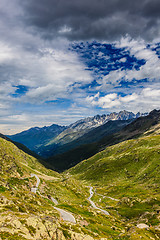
61, 73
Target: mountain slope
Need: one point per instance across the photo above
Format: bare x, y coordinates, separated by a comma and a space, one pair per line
133, 130
137, 160
98, 120
35, 137
47, 141
126, 179
91, 136
80, 128
27, 205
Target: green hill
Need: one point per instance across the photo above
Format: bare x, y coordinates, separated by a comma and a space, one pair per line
126, 179
28, 215
129, 160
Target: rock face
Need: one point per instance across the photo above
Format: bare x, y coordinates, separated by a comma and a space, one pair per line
24, 227
98, 120
34, 228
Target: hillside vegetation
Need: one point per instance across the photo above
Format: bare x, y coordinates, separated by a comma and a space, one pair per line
28, 215
124, 179
130, 173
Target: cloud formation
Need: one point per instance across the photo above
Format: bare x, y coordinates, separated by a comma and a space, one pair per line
144, 101
94, 19
62, 60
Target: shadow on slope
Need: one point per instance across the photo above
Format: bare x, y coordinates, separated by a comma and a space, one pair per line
135, 129
28, 151
93, 135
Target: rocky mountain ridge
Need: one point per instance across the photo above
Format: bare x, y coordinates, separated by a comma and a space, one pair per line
98, 120
55, 135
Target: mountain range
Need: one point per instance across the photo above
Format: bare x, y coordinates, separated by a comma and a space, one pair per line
120, 131
55, 139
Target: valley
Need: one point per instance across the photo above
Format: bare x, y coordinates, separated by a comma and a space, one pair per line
55, 139
114, 194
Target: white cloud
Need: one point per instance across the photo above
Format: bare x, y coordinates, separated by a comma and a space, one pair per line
123, 59
6, 53
65, 29
50, 73
151, 93
146, 100
59, 71
129, 98
107, 101
137, 48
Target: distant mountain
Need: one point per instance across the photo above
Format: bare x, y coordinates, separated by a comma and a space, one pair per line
94, 135
48, 141
98, 120
36, 137
70, 137
133, 130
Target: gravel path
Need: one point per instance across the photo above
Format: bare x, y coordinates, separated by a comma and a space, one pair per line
114, 199
93, 204
66, 216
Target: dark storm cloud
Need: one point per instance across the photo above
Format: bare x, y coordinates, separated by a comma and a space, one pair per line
100, 19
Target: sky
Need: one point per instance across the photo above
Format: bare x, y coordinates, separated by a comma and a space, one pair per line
61, 61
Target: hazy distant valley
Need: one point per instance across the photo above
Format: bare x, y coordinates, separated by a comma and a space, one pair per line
55, 139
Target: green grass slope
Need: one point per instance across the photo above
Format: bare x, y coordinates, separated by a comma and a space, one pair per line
126, 178
26, 215
132, 159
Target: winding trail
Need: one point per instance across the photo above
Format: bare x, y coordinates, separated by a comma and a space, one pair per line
66, 216
41, 175
93, 204
114, 199
54, 201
